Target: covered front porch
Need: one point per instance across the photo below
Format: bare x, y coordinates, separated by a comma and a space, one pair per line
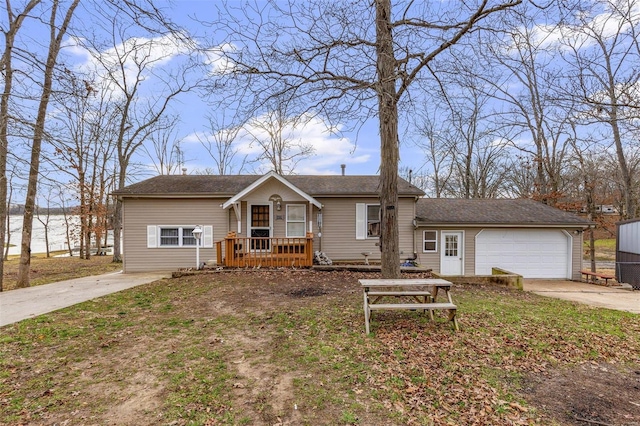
273, 226
252, 252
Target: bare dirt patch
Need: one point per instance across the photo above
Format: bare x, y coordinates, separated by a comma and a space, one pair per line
590, 393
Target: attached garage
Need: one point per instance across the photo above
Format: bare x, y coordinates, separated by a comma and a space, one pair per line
522, 236
532, 253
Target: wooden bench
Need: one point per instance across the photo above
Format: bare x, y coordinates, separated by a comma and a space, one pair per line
605, 277
425, 301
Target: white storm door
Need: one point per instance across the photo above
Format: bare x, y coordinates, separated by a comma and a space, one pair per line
451, 256
260, 227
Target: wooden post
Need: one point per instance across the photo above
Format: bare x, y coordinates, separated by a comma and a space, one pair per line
219, 253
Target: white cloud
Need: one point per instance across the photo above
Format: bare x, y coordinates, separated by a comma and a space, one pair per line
136, 57
607, 23
217, 60
330, 149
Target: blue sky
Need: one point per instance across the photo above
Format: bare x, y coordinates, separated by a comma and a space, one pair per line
356, 144
359, 149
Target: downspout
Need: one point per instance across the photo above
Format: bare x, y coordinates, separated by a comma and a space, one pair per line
415, 227
319, 222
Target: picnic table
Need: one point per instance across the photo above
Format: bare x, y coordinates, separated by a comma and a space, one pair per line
424, 293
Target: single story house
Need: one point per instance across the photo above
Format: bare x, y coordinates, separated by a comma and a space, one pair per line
271, 220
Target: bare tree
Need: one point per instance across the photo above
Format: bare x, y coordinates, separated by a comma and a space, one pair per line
43, 215
601, 52
68, 223
84, 143
274, 134
520, 177
126, 66
435, 141
14, 20
349, 59
473, 152
522, 76
165, 152
10, 189
419, 180
220, 143
57, 30
588, 166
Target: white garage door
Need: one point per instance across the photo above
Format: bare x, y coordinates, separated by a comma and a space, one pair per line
530, 253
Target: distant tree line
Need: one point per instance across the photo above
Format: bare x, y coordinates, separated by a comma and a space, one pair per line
15, 210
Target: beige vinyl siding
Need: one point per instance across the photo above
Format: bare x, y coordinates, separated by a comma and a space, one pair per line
470, 251
576, 253
272, 187
139, 213
432, 260
339, 229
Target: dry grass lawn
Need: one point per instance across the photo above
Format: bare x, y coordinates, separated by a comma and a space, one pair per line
47, 270
288, 347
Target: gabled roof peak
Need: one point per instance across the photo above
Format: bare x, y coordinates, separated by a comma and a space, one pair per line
271, 175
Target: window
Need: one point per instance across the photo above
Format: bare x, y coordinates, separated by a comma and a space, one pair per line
187, 237
430, 241
296, 218
169, 236
260, 216
367, 221
177, 236
373, 220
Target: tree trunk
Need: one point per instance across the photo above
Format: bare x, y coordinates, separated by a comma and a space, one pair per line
590, 215
46, 239
388, 116
5, 234
14, 23
630, 204
38, 133
67, 226
117, 223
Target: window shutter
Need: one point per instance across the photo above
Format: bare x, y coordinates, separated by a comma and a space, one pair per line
152, 236
361, 225
207, 236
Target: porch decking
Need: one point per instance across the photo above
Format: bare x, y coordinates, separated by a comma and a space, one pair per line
243, 252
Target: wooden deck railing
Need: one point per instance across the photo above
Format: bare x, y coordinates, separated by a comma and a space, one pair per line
241, 252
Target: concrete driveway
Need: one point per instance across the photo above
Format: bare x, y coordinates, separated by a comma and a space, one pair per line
595, 295
16, 305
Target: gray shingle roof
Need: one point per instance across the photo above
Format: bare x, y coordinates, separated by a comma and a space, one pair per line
492, 212
227, 186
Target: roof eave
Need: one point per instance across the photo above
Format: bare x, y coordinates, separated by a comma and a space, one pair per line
500, 225
176, 195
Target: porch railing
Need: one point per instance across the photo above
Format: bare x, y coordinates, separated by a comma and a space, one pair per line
241, 252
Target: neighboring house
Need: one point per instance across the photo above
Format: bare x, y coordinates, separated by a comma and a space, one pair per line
628, 252
470, 237
271, 220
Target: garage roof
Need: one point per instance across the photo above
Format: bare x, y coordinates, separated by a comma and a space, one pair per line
496, 212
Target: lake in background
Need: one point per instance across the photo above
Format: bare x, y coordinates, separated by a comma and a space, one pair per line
57, 234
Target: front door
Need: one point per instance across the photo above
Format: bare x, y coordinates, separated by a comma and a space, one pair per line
451, 258
260, 227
